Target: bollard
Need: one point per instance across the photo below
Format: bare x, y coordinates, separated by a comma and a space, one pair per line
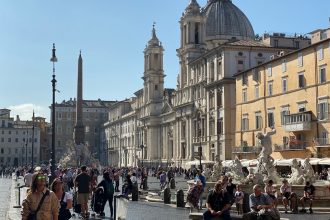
145, 184
19, 196
167, 196
135, 192
180, 199
172, 183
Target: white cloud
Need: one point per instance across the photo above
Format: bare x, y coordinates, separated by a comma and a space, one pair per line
25, 111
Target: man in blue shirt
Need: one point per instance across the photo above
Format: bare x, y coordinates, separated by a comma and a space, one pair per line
260, 204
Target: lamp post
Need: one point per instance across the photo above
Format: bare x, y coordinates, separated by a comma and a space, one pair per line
53, 59
32, 145
26, 144
142, 147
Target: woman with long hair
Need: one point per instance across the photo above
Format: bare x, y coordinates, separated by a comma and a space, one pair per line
65, 199
39, 200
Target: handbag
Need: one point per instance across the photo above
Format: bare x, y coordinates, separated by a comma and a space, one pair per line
33, 214
64, 212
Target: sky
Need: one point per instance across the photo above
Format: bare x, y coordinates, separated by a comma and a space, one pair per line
111, 36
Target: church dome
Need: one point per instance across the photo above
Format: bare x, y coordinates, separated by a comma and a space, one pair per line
226, 21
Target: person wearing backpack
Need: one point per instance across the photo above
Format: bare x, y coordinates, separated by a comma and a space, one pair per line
109, 190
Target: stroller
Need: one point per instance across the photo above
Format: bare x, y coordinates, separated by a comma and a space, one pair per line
98, 200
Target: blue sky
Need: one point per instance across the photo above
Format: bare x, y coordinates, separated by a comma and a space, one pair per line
112, 36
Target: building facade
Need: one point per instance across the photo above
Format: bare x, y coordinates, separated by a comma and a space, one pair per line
197, 120
291, 94
16, 141
95, 113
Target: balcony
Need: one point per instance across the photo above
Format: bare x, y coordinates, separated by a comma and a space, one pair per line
299, 145
298, 122
322, 142
246, 150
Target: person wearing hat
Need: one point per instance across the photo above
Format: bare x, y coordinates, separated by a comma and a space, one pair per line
41, 200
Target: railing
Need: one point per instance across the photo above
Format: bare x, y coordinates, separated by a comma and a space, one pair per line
246, 149
298, 122
287, 147
322, 141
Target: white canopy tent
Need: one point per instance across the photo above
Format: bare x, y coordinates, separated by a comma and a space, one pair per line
197, 162
324, 161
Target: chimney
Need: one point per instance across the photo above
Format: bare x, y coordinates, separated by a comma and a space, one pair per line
17, 118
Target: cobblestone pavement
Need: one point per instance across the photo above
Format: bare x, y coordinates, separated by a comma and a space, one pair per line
5, 189
136, 210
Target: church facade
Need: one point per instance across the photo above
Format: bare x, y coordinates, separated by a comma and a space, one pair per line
197, 119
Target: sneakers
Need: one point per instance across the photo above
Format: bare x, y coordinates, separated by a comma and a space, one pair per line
311, 211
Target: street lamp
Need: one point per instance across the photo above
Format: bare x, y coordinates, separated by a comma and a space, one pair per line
142, 147
53, 59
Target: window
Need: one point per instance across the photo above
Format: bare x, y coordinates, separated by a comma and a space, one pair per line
244, 80
258, 120
220, 126
270, 116
244, 95
322, 76
255, 74
156, 87
245, 123
269, 70
297, 44
270, 88
284, 112
256, 92
300, 60
2, 140
284, 66
301, 80
16, 140
241, 62
284, 84
9, 139
275, 43
320, 52
322, 112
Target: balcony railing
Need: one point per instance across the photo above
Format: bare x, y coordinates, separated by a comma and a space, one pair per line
322, 142
288, 147
298, 122
246, 150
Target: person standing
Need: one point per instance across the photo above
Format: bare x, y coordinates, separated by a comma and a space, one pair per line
40, 200
83, 183
202, 178
217, 203
109, 190
28, 178
64, 198
309, 190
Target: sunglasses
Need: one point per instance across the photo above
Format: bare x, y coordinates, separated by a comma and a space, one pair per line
41, 177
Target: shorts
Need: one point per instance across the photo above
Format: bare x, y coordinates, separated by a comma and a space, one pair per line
287, 195
82, 198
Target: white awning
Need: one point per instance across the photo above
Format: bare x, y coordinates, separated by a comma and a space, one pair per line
226, 163
197, 162
324, 161
314, 161
286, 162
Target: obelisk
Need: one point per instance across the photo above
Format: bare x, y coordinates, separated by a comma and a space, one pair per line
79, 131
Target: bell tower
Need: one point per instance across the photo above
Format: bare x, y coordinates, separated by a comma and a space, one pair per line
192, 38
153, 76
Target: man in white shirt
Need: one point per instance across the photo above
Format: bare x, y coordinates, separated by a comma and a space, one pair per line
28, 178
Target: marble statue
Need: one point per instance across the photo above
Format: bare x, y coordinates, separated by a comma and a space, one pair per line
217, 169
265, 161
253, 178
236, 171
207, 173
297, 174
308, 170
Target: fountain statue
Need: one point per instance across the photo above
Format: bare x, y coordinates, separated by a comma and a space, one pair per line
237, 171
207, 173
253, 178
309, 175
217, 169
265, 161
297, 174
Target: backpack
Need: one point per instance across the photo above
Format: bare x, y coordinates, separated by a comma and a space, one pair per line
109, 189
